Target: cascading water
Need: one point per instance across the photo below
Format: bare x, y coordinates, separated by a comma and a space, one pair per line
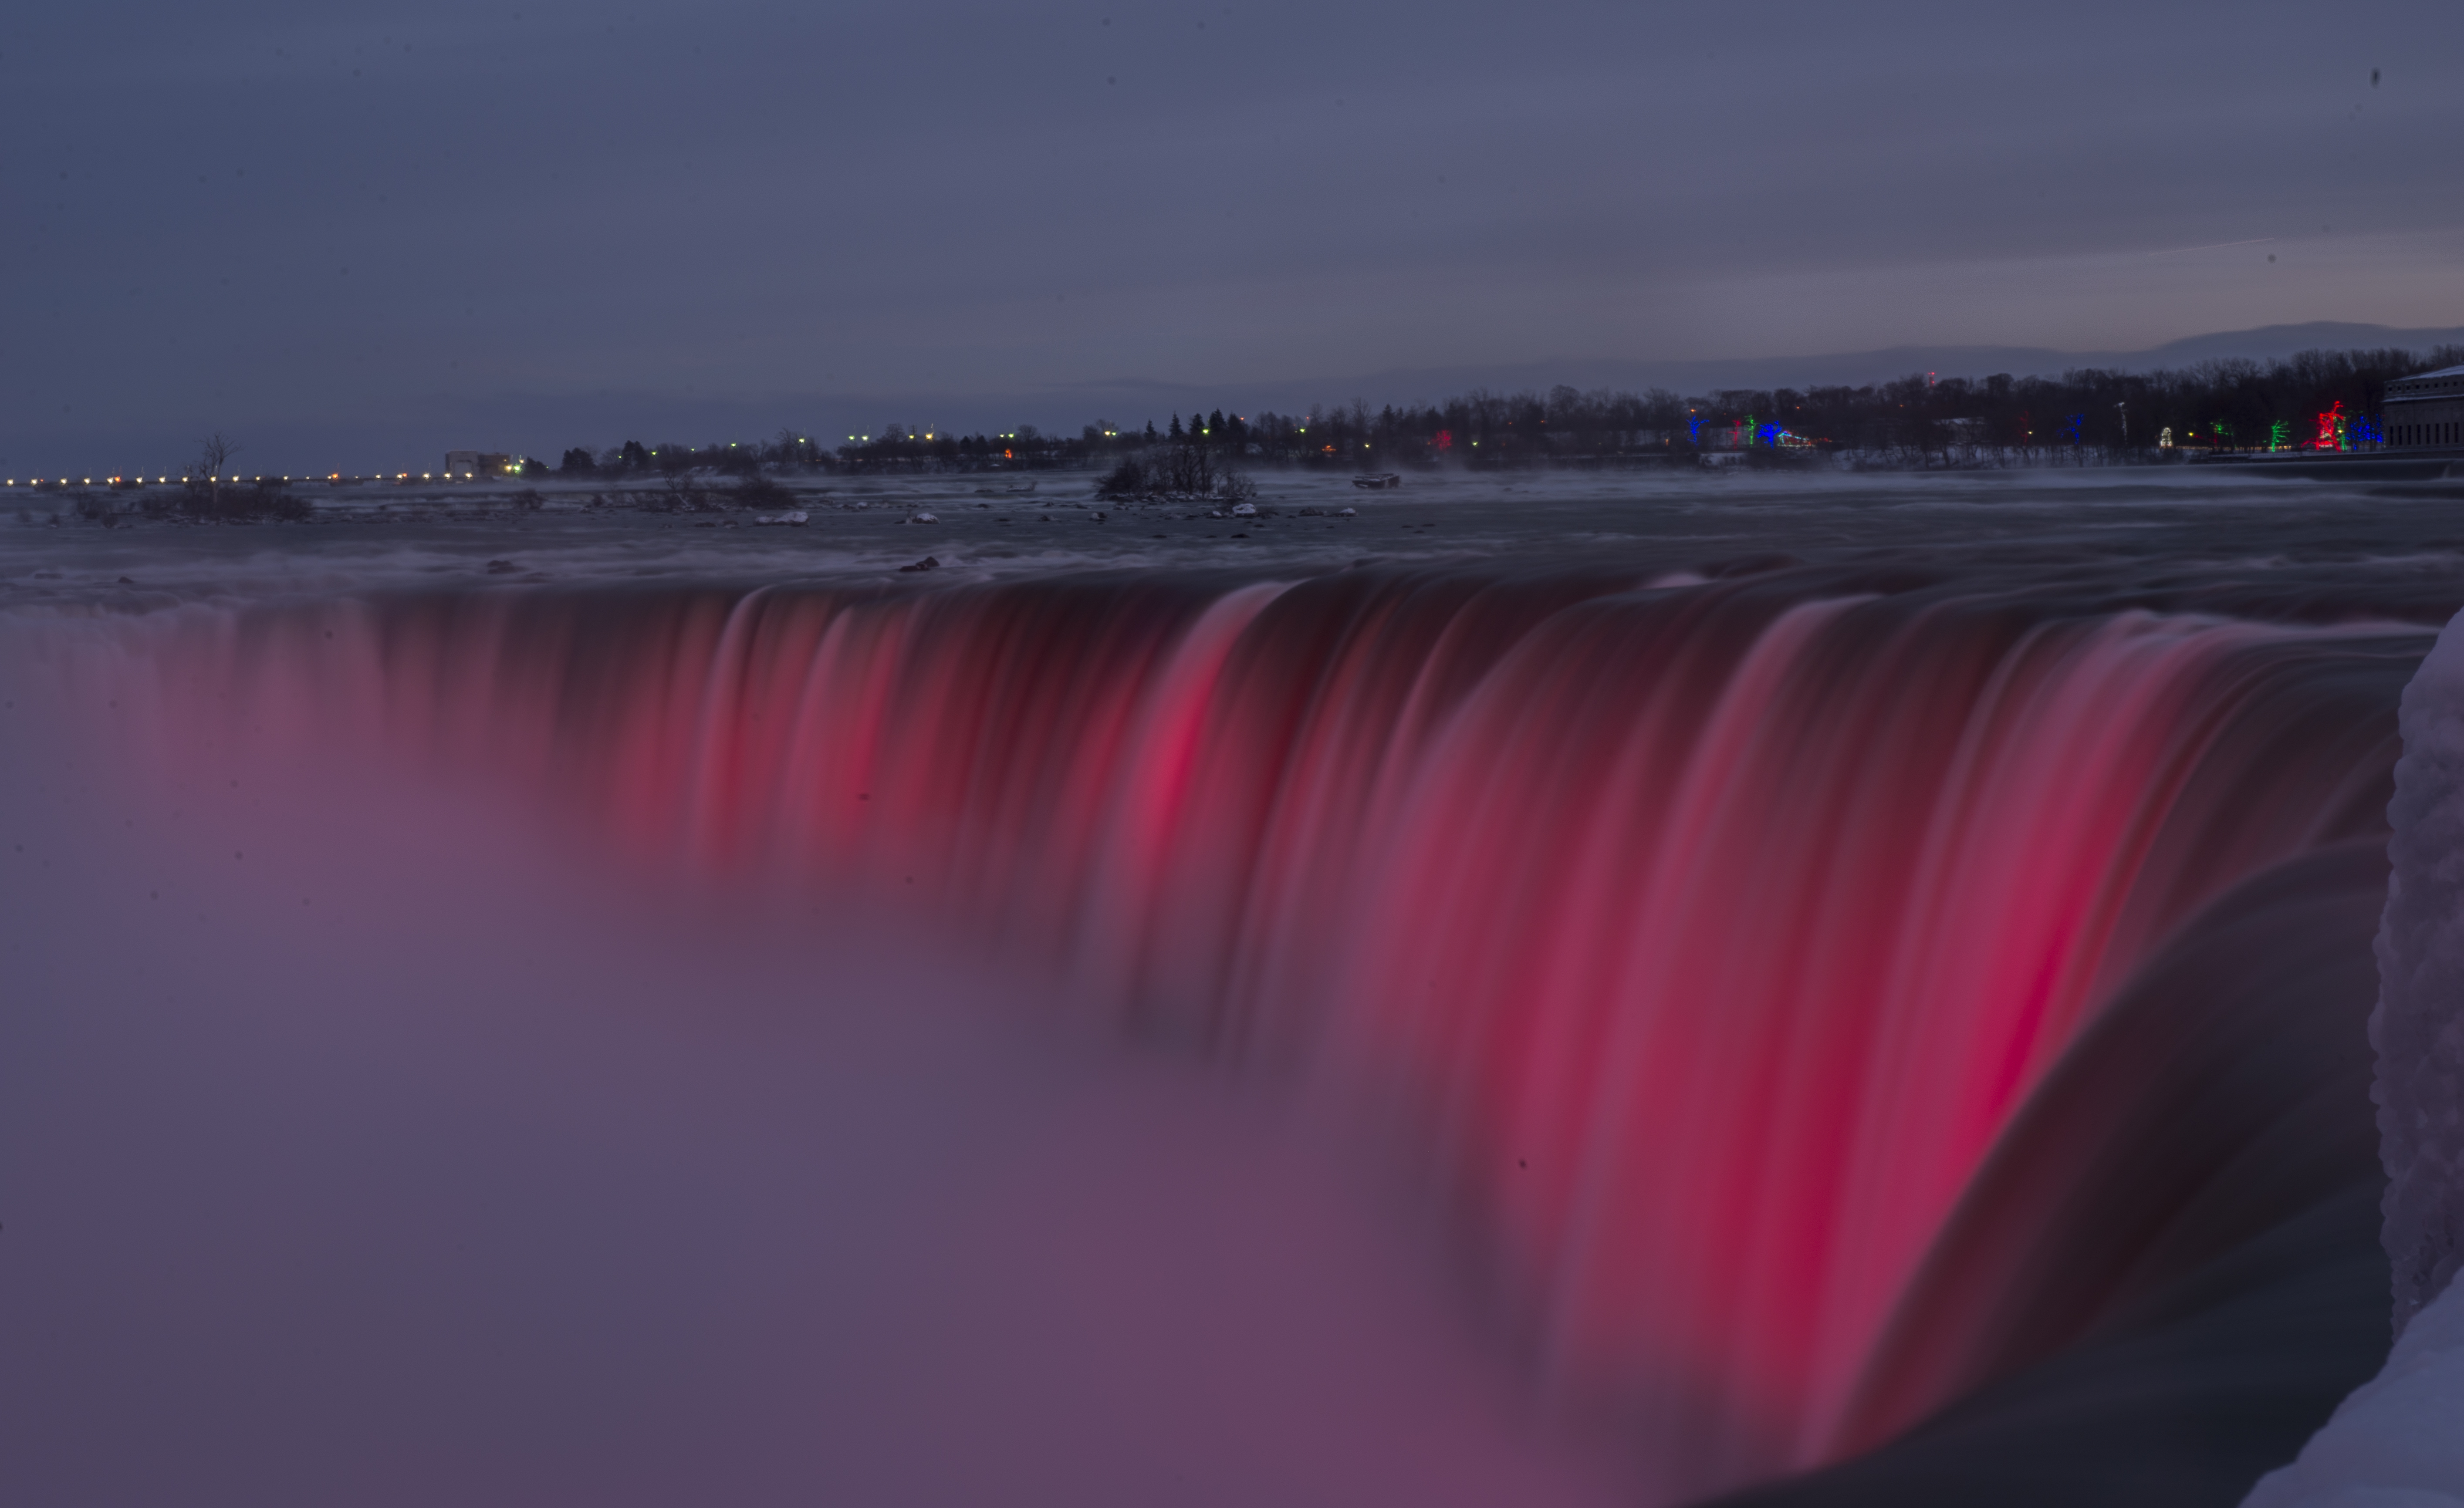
1783, 978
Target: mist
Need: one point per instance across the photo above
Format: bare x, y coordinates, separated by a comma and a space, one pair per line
361, 1142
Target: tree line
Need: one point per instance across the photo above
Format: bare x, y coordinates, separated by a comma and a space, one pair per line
2314, 400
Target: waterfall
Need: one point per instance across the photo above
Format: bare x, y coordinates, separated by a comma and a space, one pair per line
1729, 952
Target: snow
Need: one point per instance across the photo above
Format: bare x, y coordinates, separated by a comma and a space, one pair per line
2398, 1441
2418, 1027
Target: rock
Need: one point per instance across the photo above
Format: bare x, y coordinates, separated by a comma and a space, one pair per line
1244, 510
922, 518
928, 563
1346, 513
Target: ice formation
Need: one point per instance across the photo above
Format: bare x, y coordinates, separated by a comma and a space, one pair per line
2398, 1441
2419, 1026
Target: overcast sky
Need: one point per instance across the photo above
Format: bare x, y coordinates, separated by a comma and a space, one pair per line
347, 227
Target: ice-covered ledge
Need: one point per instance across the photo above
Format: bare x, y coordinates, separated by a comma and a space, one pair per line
2398, 1441
2418, 1027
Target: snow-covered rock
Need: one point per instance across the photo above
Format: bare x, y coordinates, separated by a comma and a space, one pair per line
2398, 1441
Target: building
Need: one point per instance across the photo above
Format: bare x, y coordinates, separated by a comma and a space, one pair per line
2425, 410
479, 463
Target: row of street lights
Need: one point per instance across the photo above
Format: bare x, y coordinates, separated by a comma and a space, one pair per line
139, 481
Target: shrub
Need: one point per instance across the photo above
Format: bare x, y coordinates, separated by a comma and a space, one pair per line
1188, 470
682, 495
759, 491
1129, 480
231, 503
95, 510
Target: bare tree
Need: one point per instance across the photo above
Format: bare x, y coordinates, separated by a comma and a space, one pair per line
213, 459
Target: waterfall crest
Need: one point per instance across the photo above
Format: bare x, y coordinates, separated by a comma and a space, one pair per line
1720, 943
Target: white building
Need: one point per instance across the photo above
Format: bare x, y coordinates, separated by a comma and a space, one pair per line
479, 462
2425, 410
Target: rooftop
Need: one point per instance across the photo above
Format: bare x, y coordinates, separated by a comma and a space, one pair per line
2444, 383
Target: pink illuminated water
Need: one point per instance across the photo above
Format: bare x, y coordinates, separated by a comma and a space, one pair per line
1696, 946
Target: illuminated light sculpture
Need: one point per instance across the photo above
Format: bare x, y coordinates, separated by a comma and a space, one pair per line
1780, 437
2331, 435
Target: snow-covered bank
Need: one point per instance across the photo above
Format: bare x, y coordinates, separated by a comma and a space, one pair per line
2419, 1026
2398, 1441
